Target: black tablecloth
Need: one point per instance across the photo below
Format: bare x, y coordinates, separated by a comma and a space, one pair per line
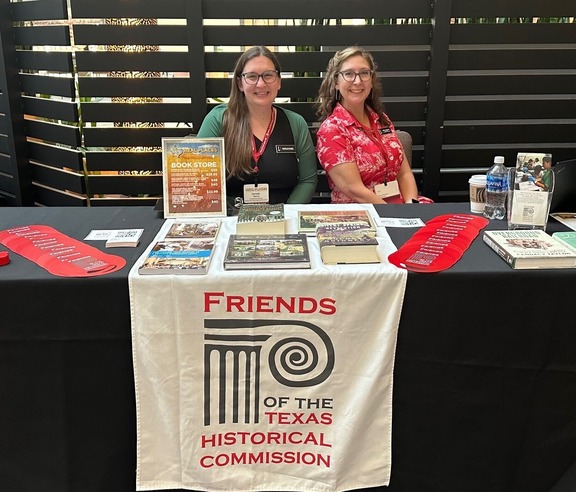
485, 375
67, 411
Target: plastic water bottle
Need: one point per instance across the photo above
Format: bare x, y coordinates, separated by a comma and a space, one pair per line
496, 190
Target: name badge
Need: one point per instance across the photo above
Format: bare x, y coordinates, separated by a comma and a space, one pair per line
388, 189
384, 131
256, 194
285, 149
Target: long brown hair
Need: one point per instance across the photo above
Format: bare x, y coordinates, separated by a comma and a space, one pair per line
236, 121
328, 95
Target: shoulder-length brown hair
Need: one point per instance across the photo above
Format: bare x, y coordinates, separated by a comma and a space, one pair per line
236, 121
328, 96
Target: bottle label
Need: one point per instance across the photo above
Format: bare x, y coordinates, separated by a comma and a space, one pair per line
496, 184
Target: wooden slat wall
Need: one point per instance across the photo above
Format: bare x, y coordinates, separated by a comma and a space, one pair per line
465, 91
15, 181
510, 87
48, 102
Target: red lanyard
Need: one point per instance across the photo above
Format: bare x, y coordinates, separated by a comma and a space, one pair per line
375, 137
256, 154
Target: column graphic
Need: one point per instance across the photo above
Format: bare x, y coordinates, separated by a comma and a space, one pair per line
236, 351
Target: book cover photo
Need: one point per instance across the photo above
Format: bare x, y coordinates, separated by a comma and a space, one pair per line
200, 229
309, 219
179, 257
261, 218
278, 251
347, 242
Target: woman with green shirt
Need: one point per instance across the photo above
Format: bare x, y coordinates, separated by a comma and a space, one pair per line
269, 152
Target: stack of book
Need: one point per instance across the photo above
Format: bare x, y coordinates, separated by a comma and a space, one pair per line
309, 219
187, 248
347, 242
261, 218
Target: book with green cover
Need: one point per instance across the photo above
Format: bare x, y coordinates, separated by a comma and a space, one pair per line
347, 242
567, 237
267, 251
261, 218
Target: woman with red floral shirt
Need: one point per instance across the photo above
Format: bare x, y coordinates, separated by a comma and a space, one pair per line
357, 143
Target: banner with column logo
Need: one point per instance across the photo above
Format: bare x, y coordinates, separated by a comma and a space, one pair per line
268, 380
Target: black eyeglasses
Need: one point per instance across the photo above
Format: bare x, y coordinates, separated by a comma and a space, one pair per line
350, 75
252, 78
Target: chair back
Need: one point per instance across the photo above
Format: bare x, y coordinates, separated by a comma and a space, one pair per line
406, 141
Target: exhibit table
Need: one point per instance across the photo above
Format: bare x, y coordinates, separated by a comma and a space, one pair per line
484, 384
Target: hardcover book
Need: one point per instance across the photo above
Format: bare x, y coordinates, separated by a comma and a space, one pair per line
273, 251
347, 242
567, 237
530, 249
308, 219
179, 257
260, 218
200, 229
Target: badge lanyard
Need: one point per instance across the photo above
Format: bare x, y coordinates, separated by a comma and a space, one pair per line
256, 154
373, 135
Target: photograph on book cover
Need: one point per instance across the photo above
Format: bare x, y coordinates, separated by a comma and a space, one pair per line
194, 177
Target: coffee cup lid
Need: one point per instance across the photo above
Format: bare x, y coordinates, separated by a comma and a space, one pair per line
477, 179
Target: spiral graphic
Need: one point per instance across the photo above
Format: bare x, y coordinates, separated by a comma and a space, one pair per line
292, 358
295, 356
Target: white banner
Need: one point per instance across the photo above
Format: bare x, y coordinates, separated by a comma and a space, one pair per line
271, 380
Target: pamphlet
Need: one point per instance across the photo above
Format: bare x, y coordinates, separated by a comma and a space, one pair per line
566, 218
528, 197
400, 222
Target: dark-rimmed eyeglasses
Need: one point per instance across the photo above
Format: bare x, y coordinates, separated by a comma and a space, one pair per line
350, 75
252, 78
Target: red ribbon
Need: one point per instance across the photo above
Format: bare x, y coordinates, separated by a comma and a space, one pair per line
256, 154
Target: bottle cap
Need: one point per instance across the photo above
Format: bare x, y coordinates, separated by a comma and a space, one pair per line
499, 159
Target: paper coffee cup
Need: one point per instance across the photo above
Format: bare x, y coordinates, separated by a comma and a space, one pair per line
477, 193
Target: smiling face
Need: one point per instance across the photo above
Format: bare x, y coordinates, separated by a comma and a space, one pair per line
354, 94
261, 94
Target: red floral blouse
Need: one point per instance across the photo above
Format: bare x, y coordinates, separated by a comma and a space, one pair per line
377, 151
